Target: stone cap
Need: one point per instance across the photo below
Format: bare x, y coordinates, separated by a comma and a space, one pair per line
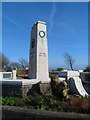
40, 22
19, 82
69, 73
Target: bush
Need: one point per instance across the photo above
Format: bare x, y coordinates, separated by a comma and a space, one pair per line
74, 104
43, 102
36, 101
22, 72
12, 101
78, 104
59, 69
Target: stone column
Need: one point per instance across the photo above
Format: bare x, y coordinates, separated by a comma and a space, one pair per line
14, 74
1, 75
38, 64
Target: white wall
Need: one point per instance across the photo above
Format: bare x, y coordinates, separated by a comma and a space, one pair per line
13, 74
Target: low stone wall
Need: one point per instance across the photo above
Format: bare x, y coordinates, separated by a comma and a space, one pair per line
8, 75
23, 91
11, 90
45, 88
85, 76
31, 114
86, 85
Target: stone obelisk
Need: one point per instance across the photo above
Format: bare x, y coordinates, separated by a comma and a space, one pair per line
38, 64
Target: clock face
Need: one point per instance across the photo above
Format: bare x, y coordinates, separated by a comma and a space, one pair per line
41, 34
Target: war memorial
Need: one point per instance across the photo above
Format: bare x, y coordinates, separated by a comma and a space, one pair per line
39, 81
38, 76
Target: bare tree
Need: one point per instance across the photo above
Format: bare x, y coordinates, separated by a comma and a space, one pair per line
69, 60
4, 62
6, 65
23, 63
15, 65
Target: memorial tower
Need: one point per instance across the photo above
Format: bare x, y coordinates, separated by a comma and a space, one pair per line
38, 61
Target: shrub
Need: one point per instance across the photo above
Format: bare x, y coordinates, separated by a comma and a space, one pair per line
43, 102
36, 101
12, 101
78, 104
22, 72
74, 104
59, 69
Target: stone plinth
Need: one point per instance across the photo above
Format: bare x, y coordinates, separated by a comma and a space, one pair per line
45, 88
24, 88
